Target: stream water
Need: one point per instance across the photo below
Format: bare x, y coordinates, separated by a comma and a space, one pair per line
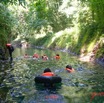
85, 85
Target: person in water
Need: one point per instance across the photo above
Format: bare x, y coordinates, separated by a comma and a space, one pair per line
48, 72
44, 57
26, 56
35, 55
57, 57
69, 68
10, 50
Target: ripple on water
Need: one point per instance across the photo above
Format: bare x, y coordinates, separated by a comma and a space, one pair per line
76, 87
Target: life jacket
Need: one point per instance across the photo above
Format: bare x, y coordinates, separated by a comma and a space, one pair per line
57, 57
48, 74
69, 70
35, 56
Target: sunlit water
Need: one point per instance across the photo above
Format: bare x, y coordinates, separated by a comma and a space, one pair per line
17, 79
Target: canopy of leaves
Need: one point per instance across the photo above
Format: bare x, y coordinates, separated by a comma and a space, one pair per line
5, 24
80, 22
7, 2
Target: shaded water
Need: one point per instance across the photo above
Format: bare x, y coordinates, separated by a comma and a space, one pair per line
85, 85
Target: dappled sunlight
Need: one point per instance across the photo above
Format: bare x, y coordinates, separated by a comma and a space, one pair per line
68, 10
57, 35
37, 36
18, 38
88, 51
67, 45
18, 8
43, 32
90, 56
67, 37
83, 56
91, 45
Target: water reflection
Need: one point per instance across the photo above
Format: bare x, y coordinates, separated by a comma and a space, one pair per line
45, 95
17, 79
5, 71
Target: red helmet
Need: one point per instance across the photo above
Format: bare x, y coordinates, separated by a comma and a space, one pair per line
8, 44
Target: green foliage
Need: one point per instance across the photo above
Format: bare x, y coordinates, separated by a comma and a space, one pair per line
43, 41
5, 25
52, 17
100, 51
97, 8
91, 24
44, 13
86, 18
7, 2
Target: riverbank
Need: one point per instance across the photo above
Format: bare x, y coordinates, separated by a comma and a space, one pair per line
87, 58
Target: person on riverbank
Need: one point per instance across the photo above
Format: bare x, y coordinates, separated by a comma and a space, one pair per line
69, 68
48, 72
10, 50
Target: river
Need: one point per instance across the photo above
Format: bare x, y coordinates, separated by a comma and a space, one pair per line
85, 85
